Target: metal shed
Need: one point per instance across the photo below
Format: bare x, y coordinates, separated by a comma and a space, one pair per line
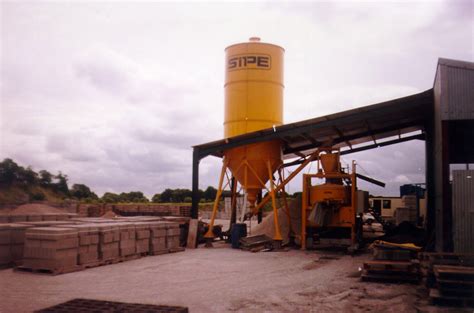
442, 116
450, 141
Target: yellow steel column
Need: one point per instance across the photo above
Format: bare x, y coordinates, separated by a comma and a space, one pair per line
304, 202
354, 202
277, 236
210, 233
285, 202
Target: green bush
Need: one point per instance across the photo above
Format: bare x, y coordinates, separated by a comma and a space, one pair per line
37, 196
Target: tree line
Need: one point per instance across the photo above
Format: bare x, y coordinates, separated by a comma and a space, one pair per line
12, 174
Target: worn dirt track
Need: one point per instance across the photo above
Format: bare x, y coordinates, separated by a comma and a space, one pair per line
217, 280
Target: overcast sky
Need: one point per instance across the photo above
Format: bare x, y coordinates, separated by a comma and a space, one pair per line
114, 94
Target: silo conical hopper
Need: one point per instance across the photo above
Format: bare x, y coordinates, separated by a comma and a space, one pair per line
253, 101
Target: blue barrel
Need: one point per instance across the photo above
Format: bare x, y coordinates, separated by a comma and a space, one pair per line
239, 230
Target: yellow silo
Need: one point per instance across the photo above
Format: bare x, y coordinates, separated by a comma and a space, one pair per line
253, 101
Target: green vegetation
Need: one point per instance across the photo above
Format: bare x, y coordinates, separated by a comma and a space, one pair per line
19, 185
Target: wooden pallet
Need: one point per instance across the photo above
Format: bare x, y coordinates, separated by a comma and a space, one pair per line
454, 273
131, 257
392, 266
391, 271
392, 254
455, 284
439, 299
179, 249
110, 261
6, 265
98, 306
445, 258
159, 252
48, 271
387, 277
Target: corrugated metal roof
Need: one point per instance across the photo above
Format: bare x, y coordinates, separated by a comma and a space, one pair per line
344, 130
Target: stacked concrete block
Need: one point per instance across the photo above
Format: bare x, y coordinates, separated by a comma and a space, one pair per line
82, 209
50, 216
5, 243
68, 216
17, 233
109, 241
127, 239
88, 253
410, 202
172, 237
51, 249
92, 220
48, 223
158, 238
18, 218
62, 216
142, 231
34, 218
185, 210
138, 218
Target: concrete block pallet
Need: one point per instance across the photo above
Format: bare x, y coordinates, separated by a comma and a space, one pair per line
56, 247
127, 240
17, 242
50, 249
4, 218
5, 251
157, 238
173, 233
109, 242
88, 252
142, 231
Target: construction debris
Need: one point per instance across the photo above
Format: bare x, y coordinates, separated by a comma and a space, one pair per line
256, 243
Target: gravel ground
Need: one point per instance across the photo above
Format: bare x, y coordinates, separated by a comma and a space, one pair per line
218, 279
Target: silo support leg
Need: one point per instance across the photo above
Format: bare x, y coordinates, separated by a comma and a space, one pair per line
210, 234
285, 202
277, 237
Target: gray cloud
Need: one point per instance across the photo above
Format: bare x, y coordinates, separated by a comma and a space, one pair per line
115, 94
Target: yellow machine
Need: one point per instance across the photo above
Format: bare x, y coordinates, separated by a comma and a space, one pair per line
253, 101
329, 209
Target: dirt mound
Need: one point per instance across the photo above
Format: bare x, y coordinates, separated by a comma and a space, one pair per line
109, 214
35, 208
267, 227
